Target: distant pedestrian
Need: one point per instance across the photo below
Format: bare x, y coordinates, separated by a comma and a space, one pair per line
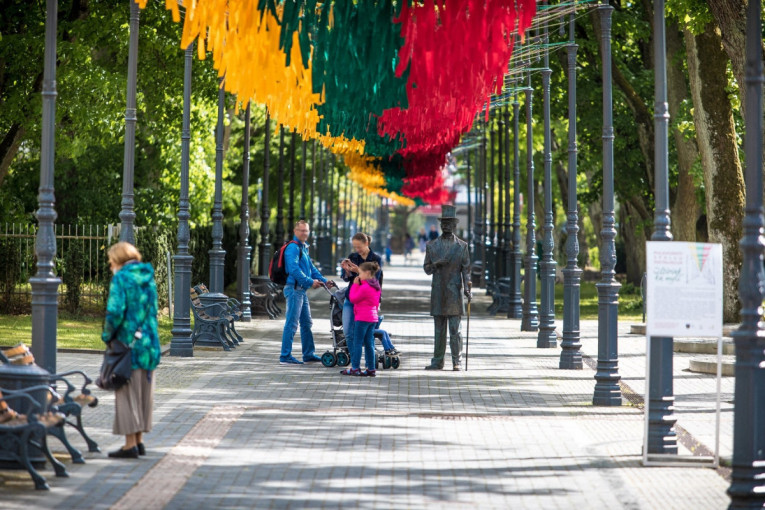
422, 239
365, 295
131, 318
408, 246
301, 276
433, 234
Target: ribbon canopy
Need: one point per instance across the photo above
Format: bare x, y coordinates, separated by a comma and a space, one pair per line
390, 86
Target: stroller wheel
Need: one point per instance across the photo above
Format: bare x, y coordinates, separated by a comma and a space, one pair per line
328, 359
387, 362
343, 359
395, 362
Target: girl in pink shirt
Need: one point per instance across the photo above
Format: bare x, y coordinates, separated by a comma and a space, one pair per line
364, 293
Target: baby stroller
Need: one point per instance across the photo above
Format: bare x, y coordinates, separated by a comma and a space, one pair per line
339, 354
385, 359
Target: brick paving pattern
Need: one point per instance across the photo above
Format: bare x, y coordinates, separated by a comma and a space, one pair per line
238, 430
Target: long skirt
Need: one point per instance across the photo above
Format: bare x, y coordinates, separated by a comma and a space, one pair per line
133, 405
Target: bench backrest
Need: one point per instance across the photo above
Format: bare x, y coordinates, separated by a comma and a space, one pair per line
195, 301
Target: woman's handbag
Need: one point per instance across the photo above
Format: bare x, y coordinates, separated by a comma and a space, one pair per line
116, 368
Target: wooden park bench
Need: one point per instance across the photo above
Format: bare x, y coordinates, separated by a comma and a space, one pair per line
500, 296
211, 320
234, 306
70, 405
263, 297
233, 313
20, 431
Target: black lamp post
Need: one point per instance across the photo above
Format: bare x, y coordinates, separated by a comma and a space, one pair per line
546, 337
180, 345
45, 283
279, 239
217, 253
662, 437
530, 319
127, 214
291, 211
264, 248
243, 259
747, 488
516, 302
571, 354
607, 390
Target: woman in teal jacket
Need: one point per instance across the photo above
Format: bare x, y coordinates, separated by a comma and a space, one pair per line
131, 318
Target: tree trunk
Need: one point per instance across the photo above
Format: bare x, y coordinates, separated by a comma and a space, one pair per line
730, 16
561, 172
584, 246
685, 209
9, 146
716, 135
596, 218
634, 233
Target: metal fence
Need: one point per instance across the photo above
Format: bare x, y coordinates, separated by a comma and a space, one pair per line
80, 260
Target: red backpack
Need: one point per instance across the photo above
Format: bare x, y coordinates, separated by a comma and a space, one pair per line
277, 269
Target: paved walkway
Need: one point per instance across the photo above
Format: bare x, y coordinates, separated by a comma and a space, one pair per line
238, 430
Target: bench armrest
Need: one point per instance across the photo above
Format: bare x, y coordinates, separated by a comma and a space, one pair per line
213, 309
63, 377
24, 394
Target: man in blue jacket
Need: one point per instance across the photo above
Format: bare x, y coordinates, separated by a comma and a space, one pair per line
302, 275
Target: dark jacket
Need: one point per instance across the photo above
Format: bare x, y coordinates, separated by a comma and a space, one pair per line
354, 257
132, 305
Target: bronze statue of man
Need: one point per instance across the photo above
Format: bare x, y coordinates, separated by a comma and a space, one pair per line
447, 259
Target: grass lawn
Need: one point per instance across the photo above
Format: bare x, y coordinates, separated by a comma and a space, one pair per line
630, 302
73, 332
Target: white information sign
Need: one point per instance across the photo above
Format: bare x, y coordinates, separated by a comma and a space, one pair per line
683, 289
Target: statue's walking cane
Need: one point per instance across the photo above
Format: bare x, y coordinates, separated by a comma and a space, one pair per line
467, 335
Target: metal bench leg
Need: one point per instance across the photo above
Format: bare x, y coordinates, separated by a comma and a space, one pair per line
58, 467
238, 337
59, 433
40, 483
222, 337
92, 445
229, 335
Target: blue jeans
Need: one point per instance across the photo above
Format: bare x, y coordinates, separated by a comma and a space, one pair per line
348, 320
298, 311
384, 339
363, 335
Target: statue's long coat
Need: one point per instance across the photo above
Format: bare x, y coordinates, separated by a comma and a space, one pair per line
446, 296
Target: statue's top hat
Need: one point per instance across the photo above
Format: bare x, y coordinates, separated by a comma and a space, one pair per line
448, 212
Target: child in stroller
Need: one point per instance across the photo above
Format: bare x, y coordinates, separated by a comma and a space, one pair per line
389, 356
339, 355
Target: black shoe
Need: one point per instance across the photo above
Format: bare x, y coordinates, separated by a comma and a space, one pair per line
434, 367
141, 449
130, 453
